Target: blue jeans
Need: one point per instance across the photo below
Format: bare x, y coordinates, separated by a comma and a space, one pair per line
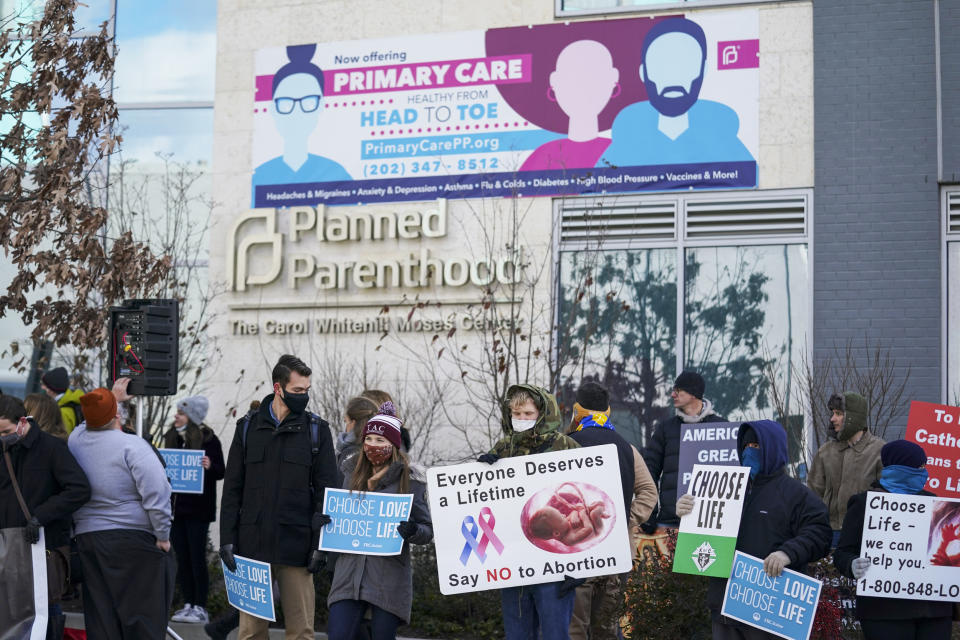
346, 616
536, 612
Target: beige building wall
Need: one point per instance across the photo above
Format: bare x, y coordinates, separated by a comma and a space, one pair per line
445, 395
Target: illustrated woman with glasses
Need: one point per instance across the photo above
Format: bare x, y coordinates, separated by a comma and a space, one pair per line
296, 107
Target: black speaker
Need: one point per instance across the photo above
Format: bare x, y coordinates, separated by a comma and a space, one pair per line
144, 346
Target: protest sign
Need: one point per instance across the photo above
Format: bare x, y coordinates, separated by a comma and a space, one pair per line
250, 587
784, 606
707, 538
913, 543
183, 469
936, 428
706, 443
529, 519
364, 522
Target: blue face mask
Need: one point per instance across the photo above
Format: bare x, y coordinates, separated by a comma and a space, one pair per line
751, 458
897, 478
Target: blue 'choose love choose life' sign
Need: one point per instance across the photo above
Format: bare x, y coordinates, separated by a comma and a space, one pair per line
183, 469
364, 522
250, 587
784, 606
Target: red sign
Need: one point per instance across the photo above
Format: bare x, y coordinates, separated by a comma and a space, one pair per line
936, 428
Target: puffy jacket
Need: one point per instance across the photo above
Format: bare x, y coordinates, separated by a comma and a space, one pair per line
202, 507
595, 436
273, 486
385, 581
841, 469
662, 456
848, 549
52, 483
545, 434
779, 513
69, 404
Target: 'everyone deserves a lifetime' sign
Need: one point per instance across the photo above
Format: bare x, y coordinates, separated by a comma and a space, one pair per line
364, 522
529, 519
784, 606
913, 543
706, 443
707, 537
184, 469
250, 588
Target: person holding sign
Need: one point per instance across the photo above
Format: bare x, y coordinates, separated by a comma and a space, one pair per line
531, 424
891, 618
783, 522
849, 464
280, 462
662, 453
192, 513
382, 583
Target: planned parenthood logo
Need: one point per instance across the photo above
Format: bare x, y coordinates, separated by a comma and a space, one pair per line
704, 556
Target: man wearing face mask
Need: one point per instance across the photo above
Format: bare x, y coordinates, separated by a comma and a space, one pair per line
53, 487
279, 464
783, 521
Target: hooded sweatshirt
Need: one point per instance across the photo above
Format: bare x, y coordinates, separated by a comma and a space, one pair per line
544, 436
841, 468
779, 513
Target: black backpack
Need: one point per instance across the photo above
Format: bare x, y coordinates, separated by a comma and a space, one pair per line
77, 411
315, 423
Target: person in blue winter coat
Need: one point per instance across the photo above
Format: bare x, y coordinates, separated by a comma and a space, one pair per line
783, 521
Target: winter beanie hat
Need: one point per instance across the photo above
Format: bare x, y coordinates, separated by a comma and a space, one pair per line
195, 408
903, 453
57, 380
692, 383
854, 415
99, 408
386, 424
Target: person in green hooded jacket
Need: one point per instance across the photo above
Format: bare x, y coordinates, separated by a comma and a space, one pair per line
531, 425
848, 465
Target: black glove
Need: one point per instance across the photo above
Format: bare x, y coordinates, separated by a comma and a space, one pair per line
317, 561
568, 585
226, 554
488, 458
649, 528
32, 532
319, 521
406, 529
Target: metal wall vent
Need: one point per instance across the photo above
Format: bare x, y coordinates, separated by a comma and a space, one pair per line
953, 213
777, 216
635, 221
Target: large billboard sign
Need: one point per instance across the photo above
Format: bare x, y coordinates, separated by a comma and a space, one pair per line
642, 104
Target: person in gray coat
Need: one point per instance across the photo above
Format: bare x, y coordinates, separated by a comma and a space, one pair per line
384, 584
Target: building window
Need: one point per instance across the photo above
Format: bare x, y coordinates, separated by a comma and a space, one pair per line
652, 285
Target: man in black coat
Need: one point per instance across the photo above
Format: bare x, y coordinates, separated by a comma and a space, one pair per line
662, 453
783, 521
52, 483
272, 504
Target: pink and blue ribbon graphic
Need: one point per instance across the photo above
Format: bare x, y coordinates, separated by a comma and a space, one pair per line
469, 529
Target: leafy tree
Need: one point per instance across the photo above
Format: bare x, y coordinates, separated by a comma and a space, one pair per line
58, 122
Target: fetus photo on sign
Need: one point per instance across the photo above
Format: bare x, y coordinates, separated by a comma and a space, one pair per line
568, 518
944, 541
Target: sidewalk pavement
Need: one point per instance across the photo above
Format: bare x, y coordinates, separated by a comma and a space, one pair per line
193, 631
